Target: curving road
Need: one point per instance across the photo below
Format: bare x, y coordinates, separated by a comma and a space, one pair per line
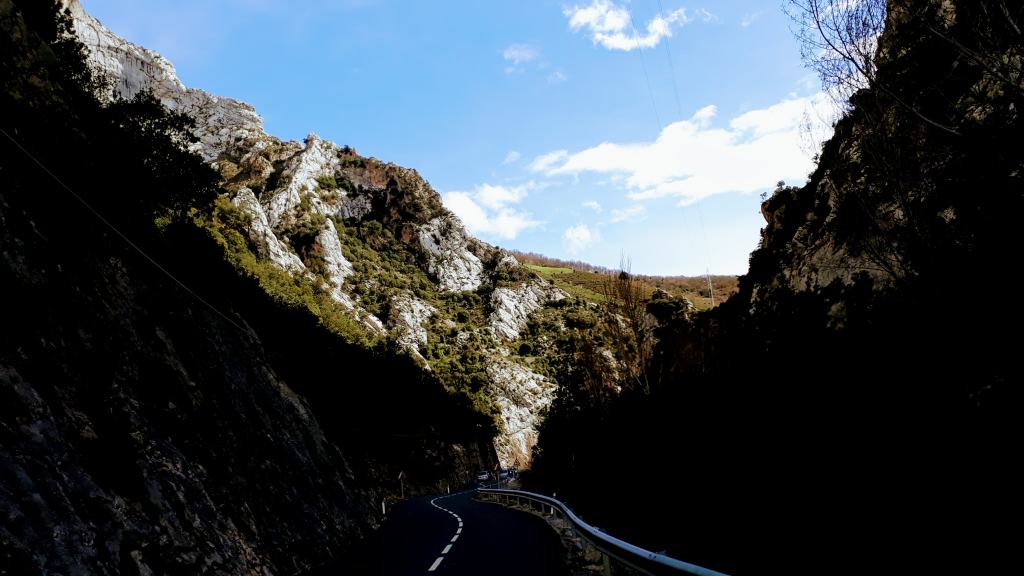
455, 535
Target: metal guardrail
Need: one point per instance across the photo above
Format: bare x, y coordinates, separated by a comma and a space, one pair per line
635, 557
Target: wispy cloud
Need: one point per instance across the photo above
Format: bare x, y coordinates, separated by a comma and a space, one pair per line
519, 54
623, 214
692, 159
705, 15
512, 157
580, 237
521, 58
487, 209
593, 205
749, 18
611, 25
545, 161
556, 77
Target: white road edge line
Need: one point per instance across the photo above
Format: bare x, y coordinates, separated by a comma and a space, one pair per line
435, 564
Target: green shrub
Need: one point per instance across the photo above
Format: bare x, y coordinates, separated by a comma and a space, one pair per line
327, 182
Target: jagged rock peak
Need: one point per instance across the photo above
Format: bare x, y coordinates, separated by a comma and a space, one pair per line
223, 125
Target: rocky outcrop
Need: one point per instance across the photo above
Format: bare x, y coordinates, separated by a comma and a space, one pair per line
511, 307
310, 203
338, 267
318, 158
178, 418
887, 195
521, 395
456, 268
262, 235
224, 125
408, 314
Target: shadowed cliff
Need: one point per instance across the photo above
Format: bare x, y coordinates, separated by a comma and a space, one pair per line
845, 411
146, 427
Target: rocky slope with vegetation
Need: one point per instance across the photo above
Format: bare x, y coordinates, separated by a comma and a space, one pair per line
844, 411
171, 402
314, 219
222, 351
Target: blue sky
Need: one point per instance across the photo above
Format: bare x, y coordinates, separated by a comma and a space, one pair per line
582, 129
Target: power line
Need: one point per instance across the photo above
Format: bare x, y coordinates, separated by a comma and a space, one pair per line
679, 110
672, 69
127, 240
643, 66
707, 258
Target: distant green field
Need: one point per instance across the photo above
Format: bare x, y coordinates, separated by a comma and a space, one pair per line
545, 271
586, 285
590, 285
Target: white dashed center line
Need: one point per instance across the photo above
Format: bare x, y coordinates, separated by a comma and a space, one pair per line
447, 548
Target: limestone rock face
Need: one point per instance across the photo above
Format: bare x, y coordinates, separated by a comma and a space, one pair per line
512, 306
319, 158
338, 267
521, 396
310, 203
408, 314
224, 125
456, 268
263, 236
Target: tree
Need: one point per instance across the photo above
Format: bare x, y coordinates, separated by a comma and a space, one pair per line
838, 40
627, 319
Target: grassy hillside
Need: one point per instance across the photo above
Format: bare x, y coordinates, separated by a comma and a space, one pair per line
588, 282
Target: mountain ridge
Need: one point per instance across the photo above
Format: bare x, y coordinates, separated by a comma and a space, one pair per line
308, 209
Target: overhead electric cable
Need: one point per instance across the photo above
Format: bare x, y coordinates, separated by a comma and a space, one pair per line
643, 66
127, 240
672, 69
679, 110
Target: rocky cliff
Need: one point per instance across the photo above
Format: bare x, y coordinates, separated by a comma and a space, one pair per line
372, 235
161, 413
852, 386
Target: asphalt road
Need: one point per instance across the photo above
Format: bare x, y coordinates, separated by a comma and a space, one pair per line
455, 535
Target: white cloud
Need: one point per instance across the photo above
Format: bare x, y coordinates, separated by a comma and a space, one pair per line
556, 77
750, 17
519, 54
487, 209
692, 159
497, 197
631, 213
544, 161
512, 157
578, 238
705, 15
593, 205
611, 25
